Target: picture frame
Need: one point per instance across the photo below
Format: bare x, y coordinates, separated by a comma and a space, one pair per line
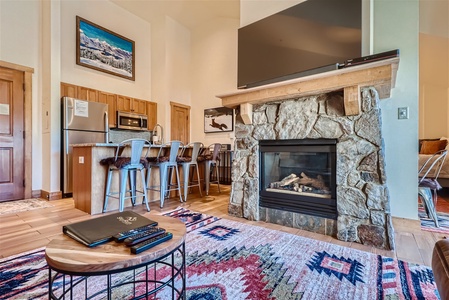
104, 50
218, 119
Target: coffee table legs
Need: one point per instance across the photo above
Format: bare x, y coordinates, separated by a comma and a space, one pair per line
162, 278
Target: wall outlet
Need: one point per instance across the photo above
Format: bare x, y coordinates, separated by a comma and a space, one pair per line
81, 159
402, 113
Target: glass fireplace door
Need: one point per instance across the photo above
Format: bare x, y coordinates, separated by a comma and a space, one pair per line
299, 176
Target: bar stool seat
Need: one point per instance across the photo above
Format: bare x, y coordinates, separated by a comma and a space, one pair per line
167, 164
188, 162
127, 168
211, 162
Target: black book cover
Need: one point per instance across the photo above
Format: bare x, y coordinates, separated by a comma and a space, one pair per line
101, 230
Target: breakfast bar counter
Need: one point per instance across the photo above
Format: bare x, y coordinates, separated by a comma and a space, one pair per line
89, 177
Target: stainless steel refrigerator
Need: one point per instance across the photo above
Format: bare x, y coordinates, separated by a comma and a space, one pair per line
82, 122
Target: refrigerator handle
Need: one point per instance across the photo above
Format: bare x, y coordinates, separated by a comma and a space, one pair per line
106, 127
67, 146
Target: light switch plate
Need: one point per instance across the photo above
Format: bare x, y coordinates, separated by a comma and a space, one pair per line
402, 113
81, 159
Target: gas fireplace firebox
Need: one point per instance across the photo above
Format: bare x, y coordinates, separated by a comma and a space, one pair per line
299, 176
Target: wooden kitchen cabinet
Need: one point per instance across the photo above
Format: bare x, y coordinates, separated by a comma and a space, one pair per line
115, 102
123, 103
151, 114
139, 106
111, 101
87, 94
69, 90
133, 105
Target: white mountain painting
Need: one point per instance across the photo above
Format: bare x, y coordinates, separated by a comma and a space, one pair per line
100, 54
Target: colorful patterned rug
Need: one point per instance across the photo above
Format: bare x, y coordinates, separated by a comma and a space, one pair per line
230, 260
428, 224
11, 207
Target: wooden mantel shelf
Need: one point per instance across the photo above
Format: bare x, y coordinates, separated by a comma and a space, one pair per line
379, 74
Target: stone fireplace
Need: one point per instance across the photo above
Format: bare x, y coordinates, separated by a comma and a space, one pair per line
362, 194
341, 105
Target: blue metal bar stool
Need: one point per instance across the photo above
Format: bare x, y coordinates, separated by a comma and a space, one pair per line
187, 162
211, 164
166, 164
127, 168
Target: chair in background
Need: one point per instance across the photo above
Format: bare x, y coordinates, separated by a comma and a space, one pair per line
187, 162
428, 184
168, 166
127, 168
211, 163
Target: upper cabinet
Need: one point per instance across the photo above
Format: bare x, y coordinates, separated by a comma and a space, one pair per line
87, 94
115, 102
69, 90
139, 106
133, 105
152, 114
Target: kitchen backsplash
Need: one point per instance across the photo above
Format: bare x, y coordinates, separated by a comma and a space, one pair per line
116, 136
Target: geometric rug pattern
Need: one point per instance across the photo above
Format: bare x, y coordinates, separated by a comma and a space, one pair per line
232, 260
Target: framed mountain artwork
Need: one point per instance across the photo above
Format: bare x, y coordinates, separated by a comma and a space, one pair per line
103, 50
218, 119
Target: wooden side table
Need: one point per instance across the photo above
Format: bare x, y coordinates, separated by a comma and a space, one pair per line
75, 268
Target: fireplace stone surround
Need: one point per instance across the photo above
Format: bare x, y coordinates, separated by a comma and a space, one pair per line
362, 194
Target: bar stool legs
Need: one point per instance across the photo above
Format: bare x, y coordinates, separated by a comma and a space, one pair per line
210, 167
187, 182
123, 178
127, 168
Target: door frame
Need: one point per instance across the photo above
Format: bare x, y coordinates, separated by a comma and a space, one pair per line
27, 115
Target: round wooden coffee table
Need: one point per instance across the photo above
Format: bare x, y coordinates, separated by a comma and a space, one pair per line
112, 271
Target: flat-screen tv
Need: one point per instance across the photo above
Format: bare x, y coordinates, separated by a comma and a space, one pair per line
311, 37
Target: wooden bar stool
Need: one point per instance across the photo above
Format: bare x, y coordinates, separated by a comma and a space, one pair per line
187, 162
127, 168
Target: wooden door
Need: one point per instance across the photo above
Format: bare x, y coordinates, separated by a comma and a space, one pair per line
180, 122
12, 183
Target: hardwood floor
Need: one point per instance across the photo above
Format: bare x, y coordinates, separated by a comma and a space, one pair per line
29, 230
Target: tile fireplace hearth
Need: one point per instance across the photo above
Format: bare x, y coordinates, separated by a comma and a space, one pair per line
362, 202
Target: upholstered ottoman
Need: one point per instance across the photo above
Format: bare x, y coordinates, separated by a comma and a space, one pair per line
440, 267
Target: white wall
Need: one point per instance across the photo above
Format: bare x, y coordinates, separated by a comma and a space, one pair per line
214, 72
400, 30
41, 35
391, 30
120, 21
178, 68
171, 67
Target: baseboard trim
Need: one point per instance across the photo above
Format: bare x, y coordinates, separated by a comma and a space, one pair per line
51, 195
36, 194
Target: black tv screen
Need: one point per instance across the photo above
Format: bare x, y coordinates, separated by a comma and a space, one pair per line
310, 37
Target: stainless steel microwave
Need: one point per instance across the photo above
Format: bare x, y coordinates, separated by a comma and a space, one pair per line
132, 121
